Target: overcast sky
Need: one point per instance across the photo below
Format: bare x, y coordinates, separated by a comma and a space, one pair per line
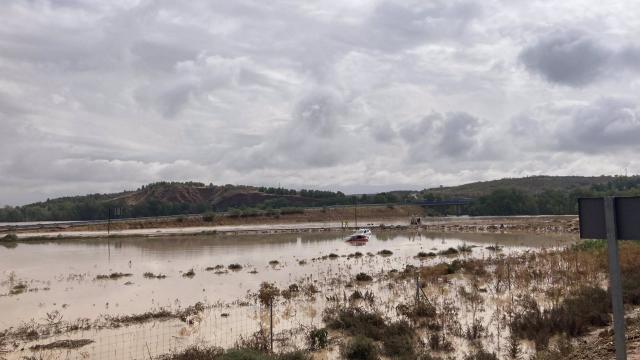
352, 95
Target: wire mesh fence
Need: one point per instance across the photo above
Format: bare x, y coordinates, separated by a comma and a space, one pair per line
223, 327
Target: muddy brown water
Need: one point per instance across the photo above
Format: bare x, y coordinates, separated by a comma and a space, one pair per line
60, 274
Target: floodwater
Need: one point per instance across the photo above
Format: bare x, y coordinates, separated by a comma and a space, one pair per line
61, 274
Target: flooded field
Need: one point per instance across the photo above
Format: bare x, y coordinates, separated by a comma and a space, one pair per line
61, 281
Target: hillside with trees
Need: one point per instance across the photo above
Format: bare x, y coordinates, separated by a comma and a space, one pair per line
525, 196
539, 195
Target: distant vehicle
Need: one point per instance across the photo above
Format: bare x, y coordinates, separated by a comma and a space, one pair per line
362, 235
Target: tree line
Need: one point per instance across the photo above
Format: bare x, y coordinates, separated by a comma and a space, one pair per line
507, 201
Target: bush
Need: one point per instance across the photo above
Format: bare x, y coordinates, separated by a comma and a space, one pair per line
449, 251
318, 339
588, 306
481, 354
360, 348
423, 254
209, 216
363, 277
9, 237
398, 340
385, 252
357, 322
267, 293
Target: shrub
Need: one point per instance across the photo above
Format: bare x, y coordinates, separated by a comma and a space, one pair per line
385, 252
235, 267
449, 251
189, 273
234, 213
588, 306
267, 293
195, 353
318, 338
398, 340
113, 276
209, 216
10, 237
356, 322
481, 354
360, 348
421, 310
423, 254
150, 275
363, 277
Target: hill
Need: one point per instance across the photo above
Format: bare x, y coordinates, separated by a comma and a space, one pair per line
520, 196
174, 198
530, 185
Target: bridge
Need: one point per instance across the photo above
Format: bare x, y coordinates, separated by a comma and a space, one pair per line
447, 202
458, 204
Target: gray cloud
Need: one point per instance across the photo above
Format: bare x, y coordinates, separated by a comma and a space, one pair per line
568, 57
453, 135
105, 95
576, 58
603, 126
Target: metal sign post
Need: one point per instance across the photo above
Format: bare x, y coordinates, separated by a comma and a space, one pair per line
613, 219
615, 281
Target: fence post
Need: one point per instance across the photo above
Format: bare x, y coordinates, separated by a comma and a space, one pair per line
271, 323
417, 288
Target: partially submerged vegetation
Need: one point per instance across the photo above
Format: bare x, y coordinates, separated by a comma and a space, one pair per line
459, 306
113, 276
150, 275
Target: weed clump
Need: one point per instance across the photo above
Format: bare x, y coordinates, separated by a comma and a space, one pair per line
356, 321
422, 255
214, 353
420, 310
449, 252
189, 274
291, 292
333, 256
267, 293
113, 276
18, 289
317, 338
481, 354
588, 306
150, 275
385, 252
235, 267
363, 277
398, 341
212, 268
209, 216
9, 237
360, 348
274, 262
